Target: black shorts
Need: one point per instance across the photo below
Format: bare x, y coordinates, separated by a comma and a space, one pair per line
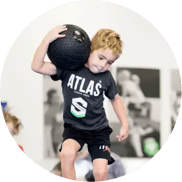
98, 141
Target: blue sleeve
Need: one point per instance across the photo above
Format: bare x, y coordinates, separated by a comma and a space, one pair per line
59, 75
112, 89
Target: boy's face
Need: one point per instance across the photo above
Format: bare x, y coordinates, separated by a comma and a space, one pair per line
101, 60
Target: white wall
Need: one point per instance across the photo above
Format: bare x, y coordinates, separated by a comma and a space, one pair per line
23, 89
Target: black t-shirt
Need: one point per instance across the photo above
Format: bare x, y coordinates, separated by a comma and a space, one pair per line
83, 93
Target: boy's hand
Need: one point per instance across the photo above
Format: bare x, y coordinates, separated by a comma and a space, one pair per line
54, 33
123, 133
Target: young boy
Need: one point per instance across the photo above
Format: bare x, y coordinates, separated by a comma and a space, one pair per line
83, 89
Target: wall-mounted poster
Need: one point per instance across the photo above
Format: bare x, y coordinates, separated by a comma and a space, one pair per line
140, 92
175, 96
53, 116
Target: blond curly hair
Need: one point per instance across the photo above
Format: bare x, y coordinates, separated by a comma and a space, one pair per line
107, 39
9, 118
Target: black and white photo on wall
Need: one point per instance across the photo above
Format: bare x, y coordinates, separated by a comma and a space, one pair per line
175, 95
53, 116
140, 92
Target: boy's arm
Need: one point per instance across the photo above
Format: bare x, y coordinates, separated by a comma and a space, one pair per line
38, 65
119, 109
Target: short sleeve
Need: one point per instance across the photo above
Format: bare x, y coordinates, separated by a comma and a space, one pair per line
59, 75
112, 89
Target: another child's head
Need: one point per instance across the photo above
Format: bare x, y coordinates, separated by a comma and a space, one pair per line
106, 47
13, 123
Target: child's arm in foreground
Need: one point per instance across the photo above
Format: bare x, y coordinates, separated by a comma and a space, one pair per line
38, 64
119, 109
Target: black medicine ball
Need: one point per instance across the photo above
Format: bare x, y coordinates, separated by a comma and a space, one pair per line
72, 51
